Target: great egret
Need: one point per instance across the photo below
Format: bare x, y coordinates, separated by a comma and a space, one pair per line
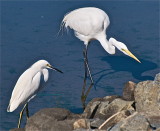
28, 85
91, 23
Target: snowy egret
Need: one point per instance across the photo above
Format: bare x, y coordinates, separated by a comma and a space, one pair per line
91, 23
28, 85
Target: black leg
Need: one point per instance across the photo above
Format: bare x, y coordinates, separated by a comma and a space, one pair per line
27, 111
87, 66
83, 96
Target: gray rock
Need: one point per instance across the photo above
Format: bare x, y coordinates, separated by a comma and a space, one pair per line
154, 120
50, 119
110, 122
81, 123
157, 79
158, 129
95, 123
91, 108
106, 110
128, 91
18, 129
96, 105
147, 97
134, 122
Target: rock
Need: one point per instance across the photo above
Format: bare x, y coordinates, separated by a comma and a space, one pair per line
158, 129
95, 123
18, 129
88, 130
106, 110
56, 119
128, 91
157, 79
134, 122
154, 121
147, 97
81, 123
82, 129
114, 119
93, 106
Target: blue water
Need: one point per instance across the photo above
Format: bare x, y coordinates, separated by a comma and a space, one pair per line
29, 33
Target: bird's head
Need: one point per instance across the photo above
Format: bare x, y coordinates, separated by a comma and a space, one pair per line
122, 47
45, 64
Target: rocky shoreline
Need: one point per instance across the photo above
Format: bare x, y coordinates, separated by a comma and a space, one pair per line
137, 110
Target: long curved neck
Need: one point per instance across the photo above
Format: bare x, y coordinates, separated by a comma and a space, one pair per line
106, 44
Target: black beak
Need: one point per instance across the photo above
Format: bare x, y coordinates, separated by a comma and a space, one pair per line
55, 69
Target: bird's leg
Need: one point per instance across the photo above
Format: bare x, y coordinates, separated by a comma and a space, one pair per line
86, 61
83, 97
27, 111
20, 115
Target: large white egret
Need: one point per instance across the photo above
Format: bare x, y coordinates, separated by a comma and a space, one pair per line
91, 23
28, 85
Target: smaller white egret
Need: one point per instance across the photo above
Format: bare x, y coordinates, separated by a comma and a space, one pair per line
28, 85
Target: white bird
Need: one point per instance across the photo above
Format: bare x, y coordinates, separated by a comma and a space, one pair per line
28, 86
91, 23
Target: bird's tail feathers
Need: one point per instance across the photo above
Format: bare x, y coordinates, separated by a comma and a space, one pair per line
62, 25
8, 108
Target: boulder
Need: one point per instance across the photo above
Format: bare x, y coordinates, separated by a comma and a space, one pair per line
114, 119
57, 119
18, 129
134, 122
95, 123
97, 104
128, 91
157, 79
81, 123
106, 109
147, 97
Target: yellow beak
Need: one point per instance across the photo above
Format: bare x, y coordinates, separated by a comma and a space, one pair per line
131, 55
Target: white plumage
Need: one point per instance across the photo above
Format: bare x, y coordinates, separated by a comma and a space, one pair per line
91, 23
28, 85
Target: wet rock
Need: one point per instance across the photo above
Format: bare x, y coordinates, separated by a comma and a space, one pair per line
134, 122
128, 91
81, 123
56, 119
147, 97
18, 129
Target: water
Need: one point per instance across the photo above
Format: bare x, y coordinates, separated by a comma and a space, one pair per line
29, 33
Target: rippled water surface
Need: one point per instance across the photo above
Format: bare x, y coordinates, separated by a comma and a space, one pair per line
29, 33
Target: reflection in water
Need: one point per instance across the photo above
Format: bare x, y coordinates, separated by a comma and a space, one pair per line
121, 63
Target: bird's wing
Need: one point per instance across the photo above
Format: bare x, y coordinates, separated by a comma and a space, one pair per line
86, 22
25, 88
